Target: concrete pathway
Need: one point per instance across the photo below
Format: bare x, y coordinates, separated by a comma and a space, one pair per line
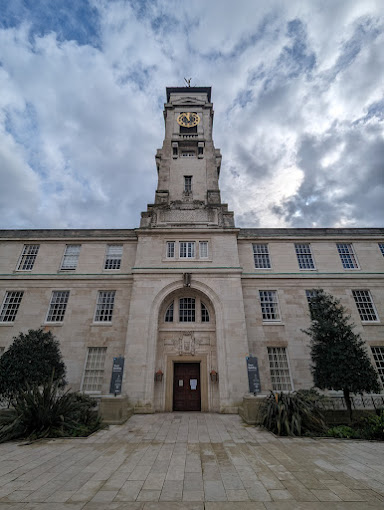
191, 461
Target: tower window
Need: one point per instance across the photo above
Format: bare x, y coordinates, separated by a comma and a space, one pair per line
187, 249
188, 130
203, 249
170, 249
188, 183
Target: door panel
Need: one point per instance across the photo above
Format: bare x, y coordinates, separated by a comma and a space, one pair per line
186, 387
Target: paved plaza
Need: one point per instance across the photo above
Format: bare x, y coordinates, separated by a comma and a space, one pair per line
191, 461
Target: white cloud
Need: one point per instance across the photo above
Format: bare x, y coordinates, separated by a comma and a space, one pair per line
292, 85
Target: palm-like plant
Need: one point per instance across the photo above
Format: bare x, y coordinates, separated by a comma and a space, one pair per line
293, 414
48, 411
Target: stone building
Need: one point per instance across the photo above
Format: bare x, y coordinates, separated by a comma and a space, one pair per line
187, 296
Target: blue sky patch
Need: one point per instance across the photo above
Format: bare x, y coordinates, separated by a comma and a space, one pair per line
70, 19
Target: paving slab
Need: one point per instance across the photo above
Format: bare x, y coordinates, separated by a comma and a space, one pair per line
191, 461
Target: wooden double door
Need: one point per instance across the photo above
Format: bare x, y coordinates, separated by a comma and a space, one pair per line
186, 387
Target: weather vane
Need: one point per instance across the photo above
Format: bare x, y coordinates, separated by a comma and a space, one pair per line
188, 82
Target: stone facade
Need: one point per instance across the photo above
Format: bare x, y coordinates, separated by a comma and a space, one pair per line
229, 292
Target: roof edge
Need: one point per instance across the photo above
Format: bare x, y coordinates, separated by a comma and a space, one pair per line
188, 90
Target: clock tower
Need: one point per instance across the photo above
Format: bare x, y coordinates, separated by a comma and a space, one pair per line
188, 166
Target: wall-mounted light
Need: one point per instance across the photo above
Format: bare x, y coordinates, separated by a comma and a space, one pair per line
214, 376
159, 375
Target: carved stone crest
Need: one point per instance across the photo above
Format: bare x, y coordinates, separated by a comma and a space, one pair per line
186, 343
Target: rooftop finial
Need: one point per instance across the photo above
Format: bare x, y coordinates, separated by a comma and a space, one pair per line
188, 82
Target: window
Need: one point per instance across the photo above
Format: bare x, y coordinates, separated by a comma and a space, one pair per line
71, 256
365, 305
94, 369
187, 310
113, 257
269, 305
57, 306
261, 256
188, 130
187, 249
170, 249
304, 256
204, 313
279, 368
10, 306
169, 313
312, 293
378, 356
347, 256
187, 183
188, 154
381, 246
28, 257
203, 249
104, 307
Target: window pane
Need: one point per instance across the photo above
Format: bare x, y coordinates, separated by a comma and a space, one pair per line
94, 369
187, 183
381, 246
261, 256
187, 249
304, 256
71, 256
170, 249
279, 368
10, 306
364, 305
169, 313
113, 258
269, 305
58, 306
378, 356
204, 313
203, 249
28, 257
104, 307
347, 256
187, 310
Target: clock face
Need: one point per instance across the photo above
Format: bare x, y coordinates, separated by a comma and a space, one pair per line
188, 119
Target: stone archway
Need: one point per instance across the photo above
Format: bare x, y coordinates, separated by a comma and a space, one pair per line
186, 334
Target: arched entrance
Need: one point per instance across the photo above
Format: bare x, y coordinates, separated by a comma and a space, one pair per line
186, 353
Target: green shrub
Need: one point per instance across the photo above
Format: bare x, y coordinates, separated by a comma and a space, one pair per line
47, 411
293, 414
343, 431
28, 362
372, 427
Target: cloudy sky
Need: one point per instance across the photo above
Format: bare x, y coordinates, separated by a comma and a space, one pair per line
298, 92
